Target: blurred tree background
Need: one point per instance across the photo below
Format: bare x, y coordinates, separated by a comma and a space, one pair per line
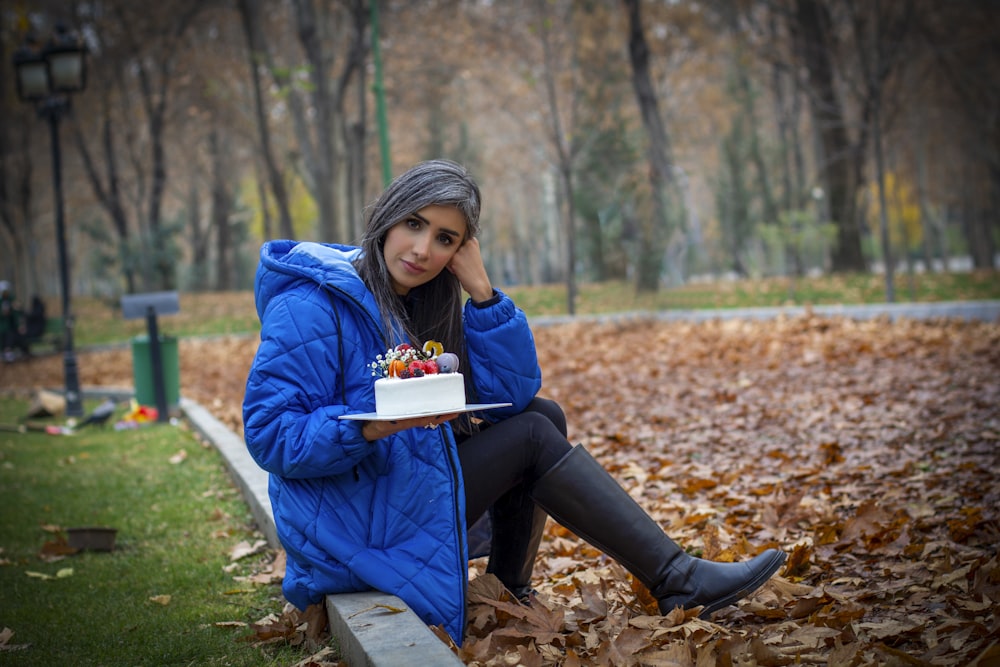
655, 141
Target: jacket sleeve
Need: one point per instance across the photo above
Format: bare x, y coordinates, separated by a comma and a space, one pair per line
293, 395
501, 350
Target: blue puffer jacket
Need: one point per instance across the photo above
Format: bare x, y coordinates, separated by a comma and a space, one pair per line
354, 515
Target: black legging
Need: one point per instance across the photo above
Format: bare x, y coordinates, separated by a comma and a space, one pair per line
517, 450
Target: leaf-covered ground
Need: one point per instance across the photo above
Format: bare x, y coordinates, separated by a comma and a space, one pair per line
870, 451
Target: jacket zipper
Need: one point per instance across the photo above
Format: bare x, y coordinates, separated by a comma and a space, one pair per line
453, 466
459, 533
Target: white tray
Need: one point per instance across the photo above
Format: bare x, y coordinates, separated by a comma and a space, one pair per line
469, 407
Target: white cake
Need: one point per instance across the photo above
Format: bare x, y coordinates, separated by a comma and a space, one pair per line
439, 393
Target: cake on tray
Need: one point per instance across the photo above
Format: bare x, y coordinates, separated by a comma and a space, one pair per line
413, 382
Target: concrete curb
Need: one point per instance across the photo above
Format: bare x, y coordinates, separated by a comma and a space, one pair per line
367, 626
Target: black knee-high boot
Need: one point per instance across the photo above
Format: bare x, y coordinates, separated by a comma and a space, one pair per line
580, 494
518, 524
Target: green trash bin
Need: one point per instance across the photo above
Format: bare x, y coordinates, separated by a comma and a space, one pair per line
142, 370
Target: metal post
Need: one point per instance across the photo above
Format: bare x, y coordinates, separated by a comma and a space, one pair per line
52, 109
156, 366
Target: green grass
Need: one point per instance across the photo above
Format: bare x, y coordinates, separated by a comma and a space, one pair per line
599, 298
201, 314
177, 524
99, 322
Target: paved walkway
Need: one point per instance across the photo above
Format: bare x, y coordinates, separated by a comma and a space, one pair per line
370, 634
987, 311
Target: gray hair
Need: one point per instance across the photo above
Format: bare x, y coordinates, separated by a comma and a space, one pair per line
438, 313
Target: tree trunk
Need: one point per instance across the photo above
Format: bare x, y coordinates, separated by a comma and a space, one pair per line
221, 205
835, 149
199, 246
154, 97
357, 138
257, 47
164, 269
15, 207
263, 196
325, 148
660, 162
993, 224
108, 191
324, 166
883, 221
933, 244
564, 160
747, 101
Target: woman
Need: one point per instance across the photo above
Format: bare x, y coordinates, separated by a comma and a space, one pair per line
387, 505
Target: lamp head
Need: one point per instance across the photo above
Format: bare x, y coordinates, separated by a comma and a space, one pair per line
57, 68
67, 62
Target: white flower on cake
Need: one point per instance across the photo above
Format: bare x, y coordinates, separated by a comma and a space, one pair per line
412, 381
405, 361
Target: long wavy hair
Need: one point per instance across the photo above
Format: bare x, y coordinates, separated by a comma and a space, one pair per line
436, 306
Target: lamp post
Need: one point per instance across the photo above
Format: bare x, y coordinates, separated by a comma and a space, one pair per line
46, 77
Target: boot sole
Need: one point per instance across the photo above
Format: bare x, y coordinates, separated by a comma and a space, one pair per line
752, 585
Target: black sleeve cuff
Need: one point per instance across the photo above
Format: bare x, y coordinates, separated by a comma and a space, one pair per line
492, 301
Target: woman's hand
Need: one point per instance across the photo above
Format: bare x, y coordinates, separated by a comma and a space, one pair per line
468, 267
374, 430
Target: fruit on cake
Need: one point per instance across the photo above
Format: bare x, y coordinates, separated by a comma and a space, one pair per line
413, 382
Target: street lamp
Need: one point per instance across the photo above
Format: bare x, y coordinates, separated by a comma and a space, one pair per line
47, 76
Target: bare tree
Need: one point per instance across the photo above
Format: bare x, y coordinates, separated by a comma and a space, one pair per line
154, 85
323, 142
221, 208
140, 48
16, 171
661, 175
256, 52
960, 39
878, 34
107, 187
839, 158
559, 134
197, 231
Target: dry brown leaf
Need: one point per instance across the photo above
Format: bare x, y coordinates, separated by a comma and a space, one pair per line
244, 549
6, 635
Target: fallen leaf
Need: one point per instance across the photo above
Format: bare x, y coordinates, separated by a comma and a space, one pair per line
57, 549
5, 636
389, 608
244, 549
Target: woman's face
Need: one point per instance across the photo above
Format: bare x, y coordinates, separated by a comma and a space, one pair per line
419, 247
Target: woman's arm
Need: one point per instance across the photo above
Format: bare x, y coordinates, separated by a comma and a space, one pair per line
293, 395
468, 267
501, 347
502, 353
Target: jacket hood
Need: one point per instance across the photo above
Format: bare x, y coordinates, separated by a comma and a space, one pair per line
284, 262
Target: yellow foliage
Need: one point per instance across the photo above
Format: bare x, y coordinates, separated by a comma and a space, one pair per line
302, 209
902, 211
